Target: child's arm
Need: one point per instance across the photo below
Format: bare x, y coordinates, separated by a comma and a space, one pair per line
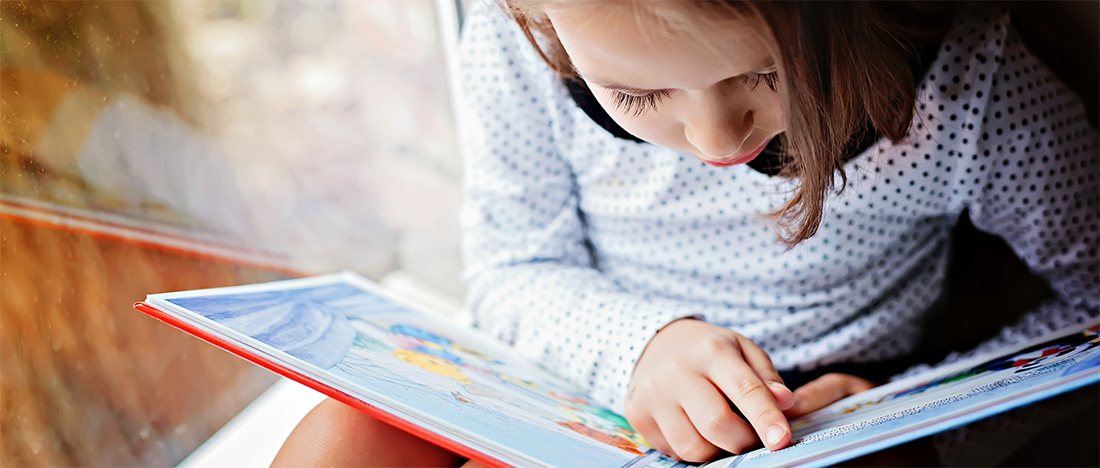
533, 281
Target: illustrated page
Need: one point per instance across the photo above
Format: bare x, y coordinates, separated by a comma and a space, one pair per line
342, 331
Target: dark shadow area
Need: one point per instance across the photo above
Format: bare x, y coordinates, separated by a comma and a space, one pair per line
1074, 441
1066, 36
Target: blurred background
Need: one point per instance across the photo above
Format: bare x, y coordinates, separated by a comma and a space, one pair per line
168, 145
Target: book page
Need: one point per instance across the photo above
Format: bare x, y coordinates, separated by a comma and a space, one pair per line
937, 400
345, 332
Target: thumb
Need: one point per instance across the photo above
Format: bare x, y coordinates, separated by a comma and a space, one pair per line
824, 391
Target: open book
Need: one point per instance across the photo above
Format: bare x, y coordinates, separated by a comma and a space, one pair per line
347, 337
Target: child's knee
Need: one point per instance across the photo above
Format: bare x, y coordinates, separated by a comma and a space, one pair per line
338, 419
335, 434
335, 424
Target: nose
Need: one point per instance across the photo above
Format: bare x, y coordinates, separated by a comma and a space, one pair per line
719, 131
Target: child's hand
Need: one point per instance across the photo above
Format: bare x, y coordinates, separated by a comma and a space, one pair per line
682, 385
824, 391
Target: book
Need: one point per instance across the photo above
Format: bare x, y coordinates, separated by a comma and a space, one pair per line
349, 338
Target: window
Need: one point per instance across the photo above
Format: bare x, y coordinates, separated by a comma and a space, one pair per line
151, 146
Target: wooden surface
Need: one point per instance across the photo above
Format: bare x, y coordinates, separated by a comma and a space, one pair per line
86, 380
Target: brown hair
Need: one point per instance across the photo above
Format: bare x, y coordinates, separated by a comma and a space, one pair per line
841, 66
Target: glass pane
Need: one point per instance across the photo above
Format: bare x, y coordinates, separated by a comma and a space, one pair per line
150, 146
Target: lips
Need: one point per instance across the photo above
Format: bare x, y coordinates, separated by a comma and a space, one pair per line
742, 160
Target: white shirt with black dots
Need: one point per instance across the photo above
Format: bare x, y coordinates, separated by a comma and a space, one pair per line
580, 246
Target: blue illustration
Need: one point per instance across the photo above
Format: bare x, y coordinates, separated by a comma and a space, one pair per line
304, 323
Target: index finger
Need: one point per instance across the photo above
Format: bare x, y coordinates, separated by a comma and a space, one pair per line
740, 383
762, 364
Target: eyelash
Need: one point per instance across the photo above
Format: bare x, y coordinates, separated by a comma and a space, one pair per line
753, 80
638, 105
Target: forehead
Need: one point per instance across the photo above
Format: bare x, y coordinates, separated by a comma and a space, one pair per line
673, 45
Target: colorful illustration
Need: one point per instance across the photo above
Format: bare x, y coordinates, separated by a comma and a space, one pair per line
346, 330
602, 424
615, 440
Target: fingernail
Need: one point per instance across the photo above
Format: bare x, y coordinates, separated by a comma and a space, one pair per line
774, 435
780, 386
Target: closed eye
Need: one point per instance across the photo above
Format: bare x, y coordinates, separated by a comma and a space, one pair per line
637, 105
752, 80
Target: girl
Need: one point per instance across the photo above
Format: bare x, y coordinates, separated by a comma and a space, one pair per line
690, 208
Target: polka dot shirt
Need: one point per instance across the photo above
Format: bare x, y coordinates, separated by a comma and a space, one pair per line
579, 246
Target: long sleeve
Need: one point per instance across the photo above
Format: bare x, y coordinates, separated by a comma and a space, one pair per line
1032, 179
533, 282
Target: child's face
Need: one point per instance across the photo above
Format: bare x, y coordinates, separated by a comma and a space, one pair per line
713, 100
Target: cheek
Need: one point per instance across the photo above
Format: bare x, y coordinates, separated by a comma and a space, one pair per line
769, 111
652, 128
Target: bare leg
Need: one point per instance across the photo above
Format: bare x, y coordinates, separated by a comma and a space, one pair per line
335, 434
